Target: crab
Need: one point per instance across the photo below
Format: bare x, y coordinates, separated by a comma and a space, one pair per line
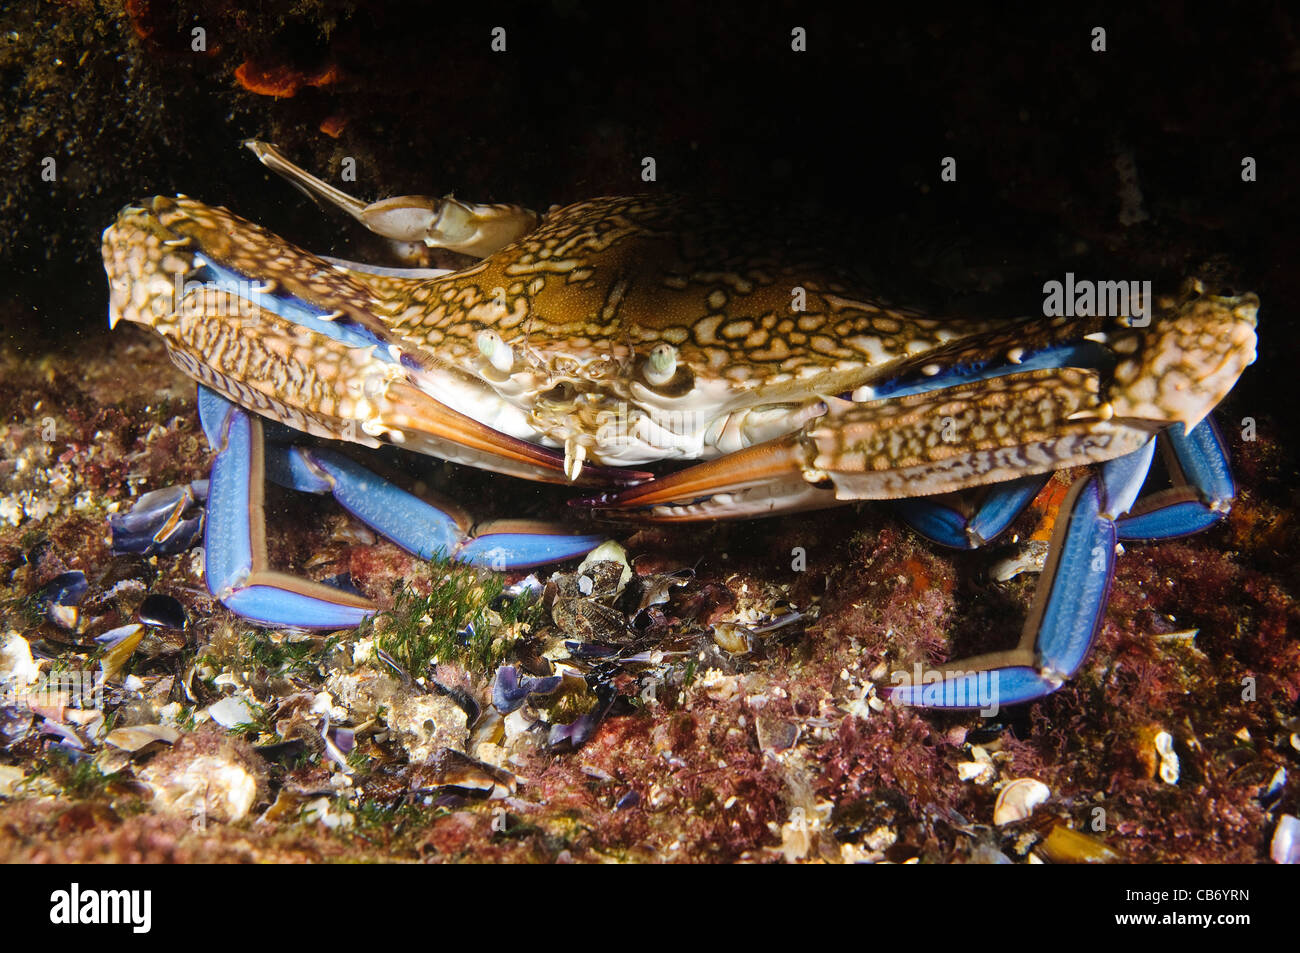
623, 331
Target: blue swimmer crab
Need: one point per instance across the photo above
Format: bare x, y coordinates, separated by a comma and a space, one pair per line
618, 332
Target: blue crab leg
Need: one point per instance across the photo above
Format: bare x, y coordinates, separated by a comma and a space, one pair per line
236, 563
1072, 594
1067, 609
421, 528
948, 525
1203, 488
234, 542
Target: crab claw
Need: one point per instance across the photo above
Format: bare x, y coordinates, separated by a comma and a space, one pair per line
762, 480
1063, 408
303, 345
899, 448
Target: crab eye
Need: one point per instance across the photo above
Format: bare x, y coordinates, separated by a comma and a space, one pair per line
664, 371
499, 354
661, 366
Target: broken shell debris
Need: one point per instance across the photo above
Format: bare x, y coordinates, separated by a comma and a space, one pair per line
464, 691
1017, 800
1285, 846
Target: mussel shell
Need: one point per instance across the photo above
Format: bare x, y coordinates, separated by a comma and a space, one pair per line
15, 724
509, 690
163, 611
59, 598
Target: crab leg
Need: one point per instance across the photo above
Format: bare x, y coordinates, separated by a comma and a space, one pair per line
1202, 493
1061, 626
423, 529
470, 229
1072, 593
950, 525
235, 545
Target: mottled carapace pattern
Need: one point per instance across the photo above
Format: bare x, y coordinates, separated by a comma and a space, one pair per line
574, 311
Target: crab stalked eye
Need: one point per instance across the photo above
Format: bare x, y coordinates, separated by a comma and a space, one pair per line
661, 366
499, 354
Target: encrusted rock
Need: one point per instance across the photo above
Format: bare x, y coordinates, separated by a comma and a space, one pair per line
208, 776
425, 724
